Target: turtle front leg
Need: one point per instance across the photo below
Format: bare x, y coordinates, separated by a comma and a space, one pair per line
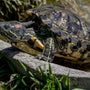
48, 51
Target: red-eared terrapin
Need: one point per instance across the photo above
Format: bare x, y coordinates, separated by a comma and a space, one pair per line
57, 30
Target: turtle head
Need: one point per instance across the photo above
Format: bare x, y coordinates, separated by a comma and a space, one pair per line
12, 31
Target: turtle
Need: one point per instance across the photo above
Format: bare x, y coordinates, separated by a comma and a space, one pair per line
56, 31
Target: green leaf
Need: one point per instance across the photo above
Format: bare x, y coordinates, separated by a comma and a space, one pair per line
32, 86
36, 81
45, 70
38, 71
4, 74
50, 71
9, 3
19, 2
62, 78
1, 12
58, 83
23, 66
31, 74
23, 80
48, 85
1, 56
67, 81
43, 75
45, 87
14, 7
3, 66
16, 85
5, 2
11, 66
69, 84
53, 87
4, 71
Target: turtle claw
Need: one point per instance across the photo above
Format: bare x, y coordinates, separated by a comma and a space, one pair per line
44, 58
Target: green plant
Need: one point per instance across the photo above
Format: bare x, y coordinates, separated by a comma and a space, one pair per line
45, 80
10, 9
42, 79
6, 68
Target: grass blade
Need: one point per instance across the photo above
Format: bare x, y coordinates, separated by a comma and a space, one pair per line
50, 70
58, 83
23, 66
11, 66
62, 78
45, 70
23, 81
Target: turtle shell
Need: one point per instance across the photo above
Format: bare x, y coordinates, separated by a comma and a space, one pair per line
70, 32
